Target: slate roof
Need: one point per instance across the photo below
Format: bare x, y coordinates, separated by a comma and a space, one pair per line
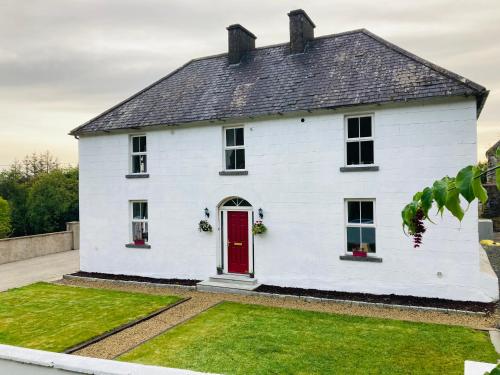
346, 69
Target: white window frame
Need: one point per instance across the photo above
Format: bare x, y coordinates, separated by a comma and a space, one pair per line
132, 220
240, 147
132, 154
359, 225
358, 139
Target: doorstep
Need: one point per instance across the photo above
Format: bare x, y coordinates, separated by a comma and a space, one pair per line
228, 283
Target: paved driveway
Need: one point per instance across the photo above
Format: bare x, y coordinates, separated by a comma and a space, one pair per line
45, 268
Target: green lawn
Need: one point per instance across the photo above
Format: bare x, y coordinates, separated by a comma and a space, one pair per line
233, 338
56, 317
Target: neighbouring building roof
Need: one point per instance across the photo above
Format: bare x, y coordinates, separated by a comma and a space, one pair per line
346, 69
492, 150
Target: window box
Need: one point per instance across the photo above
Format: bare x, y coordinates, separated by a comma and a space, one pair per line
358, 253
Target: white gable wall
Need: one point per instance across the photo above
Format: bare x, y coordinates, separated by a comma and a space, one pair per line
294, 177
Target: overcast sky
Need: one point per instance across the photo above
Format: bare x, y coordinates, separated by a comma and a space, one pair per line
63, 62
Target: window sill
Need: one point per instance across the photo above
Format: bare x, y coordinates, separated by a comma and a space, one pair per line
134, 246
361, 259
371, 168
137, 175
233, 173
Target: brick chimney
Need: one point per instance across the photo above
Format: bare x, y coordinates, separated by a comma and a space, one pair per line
240, 42
301, 30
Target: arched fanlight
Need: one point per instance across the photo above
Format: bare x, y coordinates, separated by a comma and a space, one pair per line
237, 202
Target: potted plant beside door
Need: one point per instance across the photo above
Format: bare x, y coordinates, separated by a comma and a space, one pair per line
258, 227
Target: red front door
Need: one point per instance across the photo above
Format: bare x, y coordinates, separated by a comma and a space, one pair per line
237, 241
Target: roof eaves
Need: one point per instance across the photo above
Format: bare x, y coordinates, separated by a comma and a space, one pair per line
76, 130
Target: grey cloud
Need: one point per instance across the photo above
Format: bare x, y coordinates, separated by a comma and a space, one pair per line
85, 55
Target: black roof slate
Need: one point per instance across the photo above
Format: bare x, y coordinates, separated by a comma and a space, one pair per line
346, 69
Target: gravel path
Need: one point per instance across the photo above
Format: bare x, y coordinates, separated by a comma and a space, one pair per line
115, 345
128, 339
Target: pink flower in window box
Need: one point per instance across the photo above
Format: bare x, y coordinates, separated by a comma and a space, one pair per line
359, 253
139, 242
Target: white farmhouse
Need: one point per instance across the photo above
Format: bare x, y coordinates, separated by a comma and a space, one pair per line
324, 139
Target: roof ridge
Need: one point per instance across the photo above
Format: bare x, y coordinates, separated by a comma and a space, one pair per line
327, 36
75, 130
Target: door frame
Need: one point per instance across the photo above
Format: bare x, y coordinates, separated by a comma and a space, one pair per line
223, 237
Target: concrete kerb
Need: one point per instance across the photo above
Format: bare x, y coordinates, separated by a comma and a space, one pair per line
495, 339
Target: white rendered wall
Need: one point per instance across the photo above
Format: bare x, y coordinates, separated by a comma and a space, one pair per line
294, 177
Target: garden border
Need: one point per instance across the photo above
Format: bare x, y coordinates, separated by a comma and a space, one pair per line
123, 327
289, 296
129, 282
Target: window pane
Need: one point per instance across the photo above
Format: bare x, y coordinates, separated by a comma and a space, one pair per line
353, 238
240, 159
230, 159
144, 210
142, 144
135, 144
353, 127
367, 212
140, 232
136, 208
365, 126
353, 212
136, 164
368, 238
229, 137
352, 153
367, 152
239, 137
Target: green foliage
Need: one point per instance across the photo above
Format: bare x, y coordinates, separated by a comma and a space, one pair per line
233, 338
56, 317
5, 220
477, 186
16, 185
495, 371
53, 201
446, 193
463, 183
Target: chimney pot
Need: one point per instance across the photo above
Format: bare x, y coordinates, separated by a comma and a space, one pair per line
240, 42
301, 30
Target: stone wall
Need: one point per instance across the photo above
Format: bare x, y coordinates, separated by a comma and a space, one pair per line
19, 248
491, 209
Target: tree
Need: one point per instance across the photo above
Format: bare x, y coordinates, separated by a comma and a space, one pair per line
15, 191
5, 227
53, 200
446, 193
